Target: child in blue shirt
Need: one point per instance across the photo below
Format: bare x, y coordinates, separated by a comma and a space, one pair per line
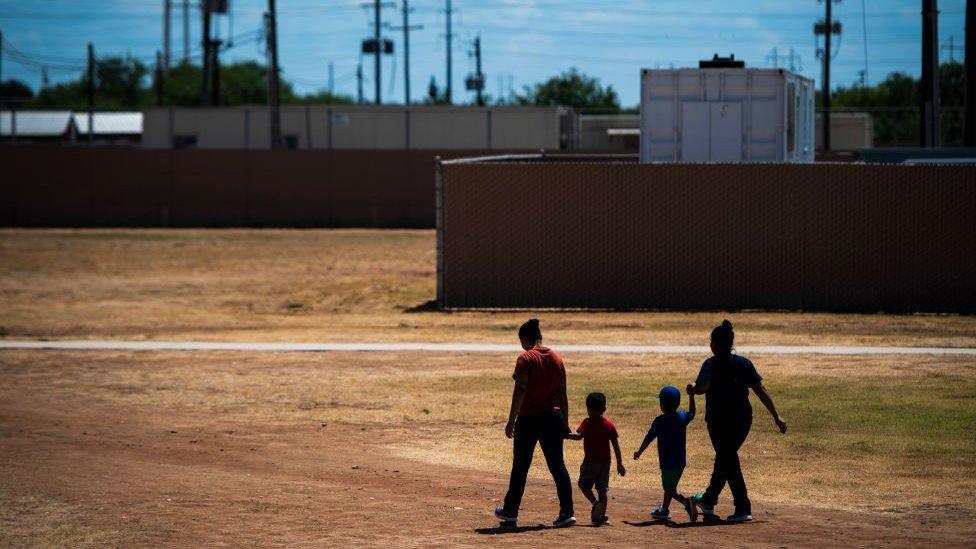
669, 429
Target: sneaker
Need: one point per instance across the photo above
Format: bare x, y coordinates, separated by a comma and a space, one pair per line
661, 514
599, 511
500, 515
564, 520
707, 511
692, 510
601, 520
738, 517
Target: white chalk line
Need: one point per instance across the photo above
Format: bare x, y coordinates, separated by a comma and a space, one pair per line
287, 347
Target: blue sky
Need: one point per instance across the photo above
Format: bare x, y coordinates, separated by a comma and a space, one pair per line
524, 41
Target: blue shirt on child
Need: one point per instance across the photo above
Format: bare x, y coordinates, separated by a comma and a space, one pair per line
669, 429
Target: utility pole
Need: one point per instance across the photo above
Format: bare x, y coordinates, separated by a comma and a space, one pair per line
167, 16
774, 57
273, 100
91, 93
864, 35
406, 28
331, 79
359, 83
450, 40
159, 79
476, 81
969, 122
379, 50
931, 127
795, 61
186, 31
952, 47
827, 27
205, 76
215, 67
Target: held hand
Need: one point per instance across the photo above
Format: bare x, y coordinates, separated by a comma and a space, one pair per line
781, 423
620, 469
510, 429
691, 389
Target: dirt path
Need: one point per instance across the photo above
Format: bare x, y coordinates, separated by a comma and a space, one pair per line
114, 345
183, 479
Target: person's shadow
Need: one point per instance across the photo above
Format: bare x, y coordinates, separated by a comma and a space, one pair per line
511, 529
671, 524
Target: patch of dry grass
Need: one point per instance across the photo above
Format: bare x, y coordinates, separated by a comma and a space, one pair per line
336, 285
896, 434
32, 521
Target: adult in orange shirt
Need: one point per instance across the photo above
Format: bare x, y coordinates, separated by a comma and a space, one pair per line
539, 413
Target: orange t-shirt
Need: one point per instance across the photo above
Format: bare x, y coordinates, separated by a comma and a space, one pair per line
546, 374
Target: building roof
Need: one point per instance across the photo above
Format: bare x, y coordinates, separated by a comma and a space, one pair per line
36, 123
110, 123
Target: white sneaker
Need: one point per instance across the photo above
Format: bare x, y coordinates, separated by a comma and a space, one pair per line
564, 520
661, 514
738, 517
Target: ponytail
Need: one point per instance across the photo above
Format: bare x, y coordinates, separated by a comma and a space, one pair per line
723, 337
530, 330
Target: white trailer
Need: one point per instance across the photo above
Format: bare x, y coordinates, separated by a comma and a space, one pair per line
727, 114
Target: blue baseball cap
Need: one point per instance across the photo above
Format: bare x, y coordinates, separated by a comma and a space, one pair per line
670, 396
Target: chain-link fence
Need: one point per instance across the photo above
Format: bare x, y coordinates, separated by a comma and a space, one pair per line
888, 127
533, 232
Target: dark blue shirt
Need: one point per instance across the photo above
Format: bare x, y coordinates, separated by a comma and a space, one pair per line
727, 398
669, 429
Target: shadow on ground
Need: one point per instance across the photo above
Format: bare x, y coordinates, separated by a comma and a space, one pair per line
512, 529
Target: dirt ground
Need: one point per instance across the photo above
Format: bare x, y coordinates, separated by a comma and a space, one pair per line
211, 449
406, 449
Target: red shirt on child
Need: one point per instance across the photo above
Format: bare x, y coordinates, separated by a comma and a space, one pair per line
597, 434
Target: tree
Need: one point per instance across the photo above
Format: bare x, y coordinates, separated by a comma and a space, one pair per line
572, 89
119, 82
894, 105
125, 82
15, 89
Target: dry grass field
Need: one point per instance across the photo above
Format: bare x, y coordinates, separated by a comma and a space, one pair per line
336, 285
406, 449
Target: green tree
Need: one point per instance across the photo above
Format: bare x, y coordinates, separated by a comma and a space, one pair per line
119, 82
15, 89
894, 105
124, 82
572, 89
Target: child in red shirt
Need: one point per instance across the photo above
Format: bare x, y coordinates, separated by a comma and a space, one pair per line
597, 434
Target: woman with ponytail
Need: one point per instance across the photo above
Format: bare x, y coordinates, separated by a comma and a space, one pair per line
725, 380
539, 413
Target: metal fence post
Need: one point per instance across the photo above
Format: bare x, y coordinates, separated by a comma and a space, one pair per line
406, 125
488, 127
308, 127
328, 122
439, 217
247, 128
13, 125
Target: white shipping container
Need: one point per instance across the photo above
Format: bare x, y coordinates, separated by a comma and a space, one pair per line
726, 115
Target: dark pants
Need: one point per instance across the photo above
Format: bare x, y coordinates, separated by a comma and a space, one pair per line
549, 430
727, 438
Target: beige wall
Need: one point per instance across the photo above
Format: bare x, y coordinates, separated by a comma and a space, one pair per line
360, 127
849, 131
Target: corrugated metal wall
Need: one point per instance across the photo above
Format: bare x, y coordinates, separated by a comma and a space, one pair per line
819, 237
